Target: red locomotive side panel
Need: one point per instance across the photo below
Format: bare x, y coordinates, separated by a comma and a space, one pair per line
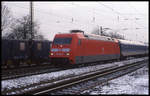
95, 47
89, 50
75, 48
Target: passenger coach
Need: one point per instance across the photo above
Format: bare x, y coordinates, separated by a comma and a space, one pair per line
132, 48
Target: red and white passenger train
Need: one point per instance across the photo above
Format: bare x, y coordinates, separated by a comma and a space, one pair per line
77, 48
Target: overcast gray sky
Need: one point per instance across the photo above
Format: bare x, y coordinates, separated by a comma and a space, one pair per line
57, 17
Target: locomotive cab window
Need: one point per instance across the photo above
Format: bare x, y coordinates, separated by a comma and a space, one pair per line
64, 40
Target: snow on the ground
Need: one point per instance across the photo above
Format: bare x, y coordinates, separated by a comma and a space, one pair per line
132, 83
28, 80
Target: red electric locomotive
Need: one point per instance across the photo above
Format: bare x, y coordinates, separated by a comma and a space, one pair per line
77, 48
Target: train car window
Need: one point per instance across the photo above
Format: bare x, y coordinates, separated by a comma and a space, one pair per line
66, 40
79, 42
39, 46
22, 46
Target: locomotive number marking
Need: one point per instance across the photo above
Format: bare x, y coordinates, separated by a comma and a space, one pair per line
59, 54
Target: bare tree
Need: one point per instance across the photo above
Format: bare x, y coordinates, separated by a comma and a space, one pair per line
6, 19
23, 31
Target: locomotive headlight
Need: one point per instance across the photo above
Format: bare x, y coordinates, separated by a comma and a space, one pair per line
52, 53
67, 54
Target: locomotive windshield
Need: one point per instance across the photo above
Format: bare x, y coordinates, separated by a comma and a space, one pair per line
62, 40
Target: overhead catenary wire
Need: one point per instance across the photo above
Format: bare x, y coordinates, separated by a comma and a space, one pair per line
75, 23
48, 13
76, 5
137, 12
51, 24
116, 12
73, 20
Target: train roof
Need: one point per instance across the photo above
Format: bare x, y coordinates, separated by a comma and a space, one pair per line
99, 37
91, 36
131, 42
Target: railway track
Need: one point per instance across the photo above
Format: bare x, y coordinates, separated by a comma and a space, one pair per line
16, 73
66, 86
91, 82
72, 86
34, 70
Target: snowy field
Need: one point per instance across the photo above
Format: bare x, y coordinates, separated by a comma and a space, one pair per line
133, 83
28, 80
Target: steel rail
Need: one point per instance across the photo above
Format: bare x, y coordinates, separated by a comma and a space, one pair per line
9, 73
48, 83
75, 80
85, 78
104, 82
28, 72
57, 85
